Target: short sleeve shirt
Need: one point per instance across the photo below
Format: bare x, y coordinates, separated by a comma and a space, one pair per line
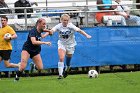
66, 34
29, 45
5, 45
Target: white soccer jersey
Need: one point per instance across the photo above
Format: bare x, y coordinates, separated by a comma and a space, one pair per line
66, 34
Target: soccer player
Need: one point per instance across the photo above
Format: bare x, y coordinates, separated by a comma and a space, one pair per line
5, 45
32, 47
66, 43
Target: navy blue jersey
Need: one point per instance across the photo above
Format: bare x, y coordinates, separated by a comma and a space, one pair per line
28, 44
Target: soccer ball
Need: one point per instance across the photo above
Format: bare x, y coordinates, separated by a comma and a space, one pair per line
92, 74
7, 35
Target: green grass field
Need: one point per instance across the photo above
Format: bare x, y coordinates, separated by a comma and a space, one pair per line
124, 82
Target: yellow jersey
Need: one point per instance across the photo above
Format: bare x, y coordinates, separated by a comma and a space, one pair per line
5, 45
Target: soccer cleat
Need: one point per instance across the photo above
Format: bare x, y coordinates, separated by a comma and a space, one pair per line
32, 65
65, 74
16, 78
60, 77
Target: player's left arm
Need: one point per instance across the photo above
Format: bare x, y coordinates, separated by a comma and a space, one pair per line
45, 34
48, 32
13, 33
35, 42
84, 33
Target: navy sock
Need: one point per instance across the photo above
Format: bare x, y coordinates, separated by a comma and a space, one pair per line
68, 59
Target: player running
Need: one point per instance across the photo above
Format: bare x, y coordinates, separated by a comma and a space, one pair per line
66, 43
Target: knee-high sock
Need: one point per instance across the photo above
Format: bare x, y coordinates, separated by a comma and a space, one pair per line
60, 68
68, 59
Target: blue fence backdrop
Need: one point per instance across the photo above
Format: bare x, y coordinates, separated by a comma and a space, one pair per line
108, 46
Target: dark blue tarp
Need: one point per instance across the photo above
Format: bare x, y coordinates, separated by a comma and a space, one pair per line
108, 46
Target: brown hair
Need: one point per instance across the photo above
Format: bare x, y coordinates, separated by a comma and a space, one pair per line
39, 21
4, 17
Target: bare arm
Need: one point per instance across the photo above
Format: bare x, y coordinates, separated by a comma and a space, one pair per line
35, 42
50, 32
12, 37
44, 35
84, 33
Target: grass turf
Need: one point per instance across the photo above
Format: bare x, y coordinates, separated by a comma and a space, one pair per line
125, 82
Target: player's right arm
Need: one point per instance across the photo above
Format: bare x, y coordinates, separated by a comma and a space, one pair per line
35, 42
54, 29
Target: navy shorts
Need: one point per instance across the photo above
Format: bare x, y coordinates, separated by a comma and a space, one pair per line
32, 53
5, 54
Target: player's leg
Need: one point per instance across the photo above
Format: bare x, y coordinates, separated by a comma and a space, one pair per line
38, 65
24, 58
33, 67
38, 62
61, 53
68, 60
10, 65
69, 53
6, 58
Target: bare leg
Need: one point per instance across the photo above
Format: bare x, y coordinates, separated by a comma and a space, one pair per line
38, 62
10, 65
24, 58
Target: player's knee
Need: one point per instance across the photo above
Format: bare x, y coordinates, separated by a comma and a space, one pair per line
61, 59
23, 64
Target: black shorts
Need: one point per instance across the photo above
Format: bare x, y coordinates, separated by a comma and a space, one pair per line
5, 54
32, 53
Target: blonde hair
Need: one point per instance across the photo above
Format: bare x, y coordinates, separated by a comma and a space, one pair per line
65, 15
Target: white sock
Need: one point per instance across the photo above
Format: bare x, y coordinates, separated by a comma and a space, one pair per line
60, 68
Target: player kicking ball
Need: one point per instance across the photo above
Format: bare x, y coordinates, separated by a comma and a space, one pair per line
66, 43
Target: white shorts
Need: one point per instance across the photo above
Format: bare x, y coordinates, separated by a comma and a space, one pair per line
68, 49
